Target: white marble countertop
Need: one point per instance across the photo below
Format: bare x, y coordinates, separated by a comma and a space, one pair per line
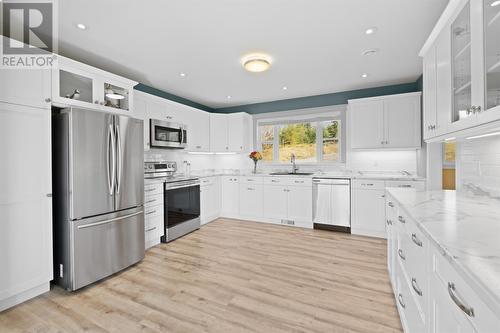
329, 174
466, 227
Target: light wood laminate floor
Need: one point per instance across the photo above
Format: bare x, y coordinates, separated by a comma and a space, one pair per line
231, 276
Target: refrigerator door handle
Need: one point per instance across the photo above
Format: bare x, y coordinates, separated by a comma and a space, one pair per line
112, 145
119, 158
109, 221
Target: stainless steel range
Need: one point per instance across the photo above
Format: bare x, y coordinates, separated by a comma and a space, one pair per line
181, 199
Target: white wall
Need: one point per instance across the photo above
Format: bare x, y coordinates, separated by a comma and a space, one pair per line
478, 165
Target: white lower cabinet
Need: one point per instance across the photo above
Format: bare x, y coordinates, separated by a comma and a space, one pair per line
210, 198
368, 211
153, 213
230, 196
290, 204
431, 296
251, 200
25, 203
368, 202
300, 205
276, 202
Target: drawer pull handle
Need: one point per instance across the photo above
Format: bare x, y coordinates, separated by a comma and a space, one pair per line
275, 181
150, 190
151, 212
416, 287
368, 184
389, 222
251, 189
401, 301
151, 229
150, 201
415, 240
404, 185
391, 204
468, 310
401, 254
401, 219
299, 181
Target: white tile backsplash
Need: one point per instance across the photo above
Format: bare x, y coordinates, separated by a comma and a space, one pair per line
381, 160
478, 165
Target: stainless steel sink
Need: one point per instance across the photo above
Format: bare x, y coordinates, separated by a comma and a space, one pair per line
291, 173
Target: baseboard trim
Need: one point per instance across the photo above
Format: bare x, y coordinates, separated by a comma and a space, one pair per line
24, 296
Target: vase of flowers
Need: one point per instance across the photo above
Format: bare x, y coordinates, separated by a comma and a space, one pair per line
255, 156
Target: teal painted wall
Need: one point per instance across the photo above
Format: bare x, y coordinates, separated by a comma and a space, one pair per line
293, 103
320, 100
163, 94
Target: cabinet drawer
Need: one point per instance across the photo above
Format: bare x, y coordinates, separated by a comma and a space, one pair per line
408, 310
405, 184
416, 265
368, 184
152, 211
251, 180
153, 189
288, 181
460, 294
207, 181
153, 200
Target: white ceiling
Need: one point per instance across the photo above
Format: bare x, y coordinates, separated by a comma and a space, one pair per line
316, 46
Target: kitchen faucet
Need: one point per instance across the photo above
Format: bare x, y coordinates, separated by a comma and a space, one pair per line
295, 168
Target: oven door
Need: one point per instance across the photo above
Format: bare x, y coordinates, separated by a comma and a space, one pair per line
164, 134
181, 204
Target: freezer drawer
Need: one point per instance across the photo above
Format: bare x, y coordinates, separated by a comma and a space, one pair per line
105, 246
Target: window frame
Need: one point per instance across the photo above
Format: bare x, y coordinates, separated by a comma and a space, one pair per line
283, 121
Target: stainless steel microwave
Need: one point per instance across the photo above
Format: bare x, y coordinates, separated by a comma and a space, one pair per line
165, 134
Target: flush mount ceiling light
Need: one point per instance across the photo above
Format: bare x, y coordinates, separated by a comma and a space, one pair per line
81, 26
495, 3
371, 30
256, 63
285, 88
229, 97
370, 52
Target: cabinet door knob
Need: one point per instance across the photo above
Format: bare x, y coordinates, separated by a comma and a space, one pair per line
48, 100
96, 102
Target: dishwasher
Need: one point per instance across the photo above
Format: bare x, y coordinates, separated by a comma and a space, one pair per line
332, 204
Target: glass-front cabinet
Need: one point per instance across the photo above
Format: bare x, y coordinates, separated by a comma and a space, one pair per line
491, 23
461, 65
80, 85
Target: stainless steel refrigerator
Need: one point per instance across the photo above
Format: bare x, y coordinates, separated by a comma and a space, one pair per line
98, 195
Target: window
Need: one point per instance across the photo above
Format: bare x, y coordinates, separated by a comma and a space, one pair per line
311, 141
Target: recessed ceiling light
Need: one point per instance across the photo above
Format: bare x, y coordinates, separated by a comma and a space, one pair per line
495, 3
284, 88
364, 75
182, 74
228, 96
371, 30
256, 63
81, 26
370, 52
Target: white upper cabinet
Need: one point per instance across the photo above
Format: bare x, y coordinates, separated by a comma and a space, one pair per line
230, 132
367, 124
80, 85
25, 87
385, 122
198, 125
463, 54
402, 121
218, 132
